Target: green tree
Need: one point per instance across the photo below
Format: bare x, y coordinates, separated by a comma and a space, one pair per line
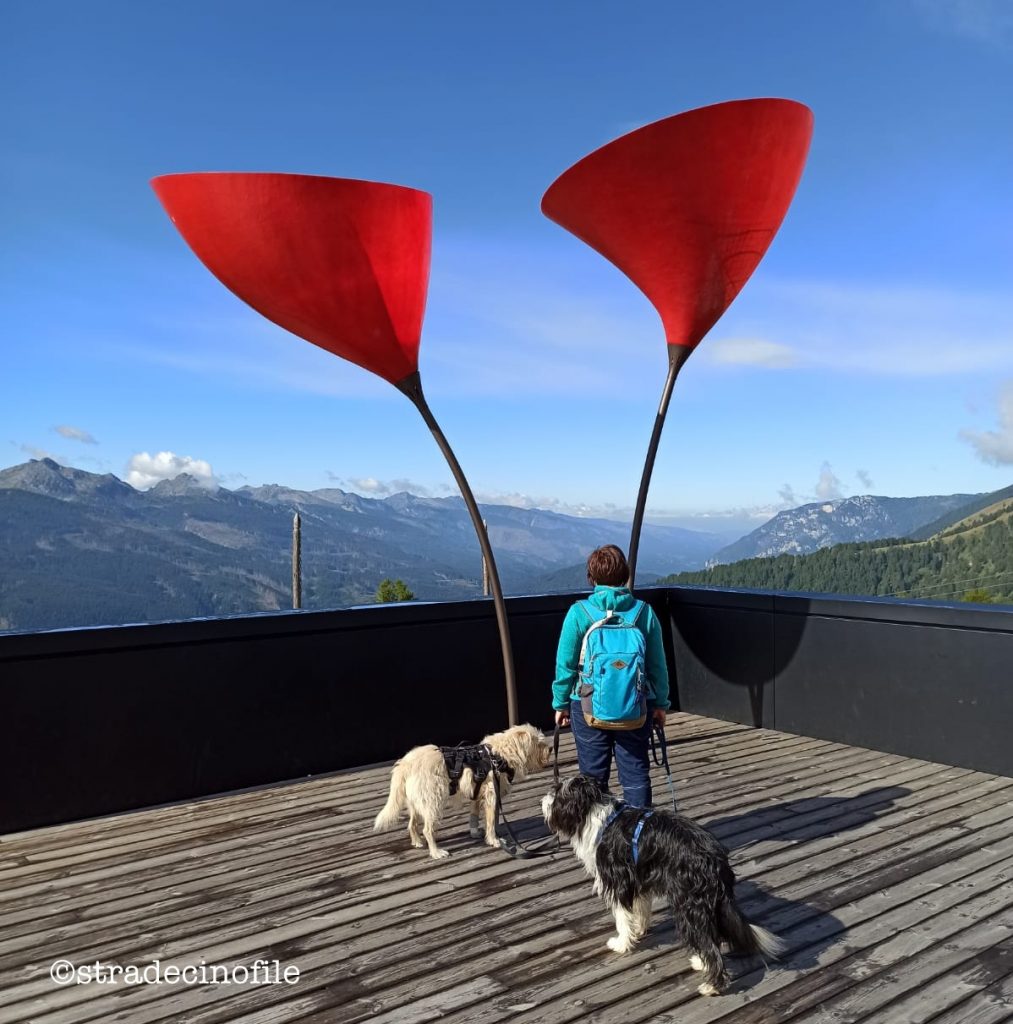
391, 591
978, 596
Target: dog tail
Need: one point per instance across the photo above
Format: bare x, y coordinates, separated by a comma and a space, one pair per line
388, 817
767, 943
744, 936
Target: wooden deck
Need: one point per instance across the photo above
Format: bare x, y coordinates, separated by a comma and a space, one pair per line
891, 880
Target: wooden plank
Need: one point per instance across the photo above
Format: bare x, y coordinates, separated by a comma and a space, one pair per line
817, 994
993, 1005
88, 923
940, 977
862, 932
357, 931
383, 955
132, 869
553, 988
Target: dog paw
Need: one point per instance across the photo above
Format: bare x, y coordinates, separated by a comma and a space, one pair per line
696, 963
416, 842
617, 945
439, 854
476, 833
707, 989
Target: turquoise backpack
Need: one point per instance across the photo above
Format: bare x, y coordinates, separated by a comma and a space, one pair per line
611, 685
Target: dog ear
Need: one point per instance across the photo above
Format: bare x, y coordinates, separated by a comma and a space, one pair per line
592, 787
573, 803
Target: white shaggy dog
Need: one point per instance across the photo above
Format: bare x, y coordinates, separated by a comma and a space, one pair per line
420, 781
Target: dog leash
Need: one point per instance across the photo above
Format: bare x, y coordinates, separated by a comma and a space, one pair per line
518, 850
659, 739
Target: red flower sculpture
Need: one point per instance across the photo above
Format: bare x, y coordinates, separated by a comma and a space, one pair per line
687, 206
339, 262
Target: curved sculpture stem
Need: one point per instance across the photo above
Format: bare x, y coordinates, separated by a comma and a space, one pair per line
677, 355
412, 387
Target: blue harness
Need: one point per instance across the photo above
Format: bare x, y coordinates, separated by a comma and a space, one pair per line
617, 810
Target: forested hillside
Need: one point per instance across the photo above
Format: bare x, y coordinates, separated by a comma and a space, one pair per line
969, 560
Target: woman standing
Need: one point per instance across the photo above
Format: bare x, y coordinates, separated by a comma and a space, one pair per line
608, 572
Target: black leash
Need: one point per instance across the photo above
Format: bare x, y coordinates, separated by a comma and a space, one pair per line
518, 850
660, 740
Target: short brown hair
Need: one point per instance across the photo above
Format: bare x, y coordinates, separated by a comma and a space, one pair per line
607, 566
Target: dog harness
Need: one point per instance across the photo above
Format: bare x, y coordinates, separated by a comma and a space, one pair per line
616, 811
636, 835
479, 758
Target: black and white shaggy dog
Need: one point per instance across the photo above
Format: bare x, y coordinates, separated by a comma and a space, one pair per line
634, 855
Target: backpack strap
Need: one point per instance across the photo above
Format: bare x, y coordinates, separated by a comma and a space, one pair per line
631, 615
590, 611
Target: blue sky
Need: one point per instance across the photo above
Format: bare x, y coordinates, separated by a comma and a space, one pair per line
871, 352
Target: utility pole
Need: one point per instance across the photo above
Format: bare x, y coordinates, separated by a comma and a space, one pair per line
296, 561
485, 567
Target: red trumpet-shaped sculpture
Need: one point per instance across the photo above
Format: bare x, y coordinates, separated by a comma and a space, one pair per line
343, 264
686, 207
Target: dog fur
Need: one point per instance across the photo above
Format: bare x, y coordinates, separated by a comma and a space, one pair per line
679, 860
420, 783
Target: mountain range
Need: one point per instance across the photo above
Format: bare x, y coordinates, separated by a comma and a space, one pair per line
965, 555
77, 548
799, 531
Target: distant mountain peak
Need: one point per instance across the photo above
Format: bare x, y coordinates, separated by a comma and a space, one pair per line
820, 524
183, 485
48, 477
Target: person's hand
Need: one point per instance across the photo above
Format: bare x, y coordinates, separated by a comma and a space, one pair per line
562, 719
659, 716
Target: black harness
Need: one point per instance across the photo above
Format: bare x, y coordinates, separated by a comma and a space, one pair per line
480, 759
483, 763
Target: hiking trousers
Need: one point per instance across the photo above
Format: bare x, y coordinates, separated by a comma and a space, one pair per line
631, 747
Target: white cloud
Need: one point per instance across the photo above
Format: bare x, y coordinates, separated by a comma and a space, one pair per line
516, 499
828, 487
539, 332
788, 497
75, 434
371, 487
144, 470
985, 21
864, 479
995, 446
890, 329
751, 352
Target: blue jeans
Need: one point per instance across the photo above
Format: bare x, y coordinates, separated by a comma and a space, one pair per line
632, 752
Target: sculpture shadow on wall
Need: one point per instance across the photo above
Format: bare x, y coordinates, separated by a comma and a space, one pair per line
738, 638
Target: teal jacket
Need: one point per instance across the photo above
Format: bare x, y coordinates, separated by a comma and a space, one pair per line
575, 625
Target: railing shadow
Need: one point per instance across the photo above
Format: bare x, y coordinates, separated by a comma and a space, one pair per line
794, 821
807, 818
